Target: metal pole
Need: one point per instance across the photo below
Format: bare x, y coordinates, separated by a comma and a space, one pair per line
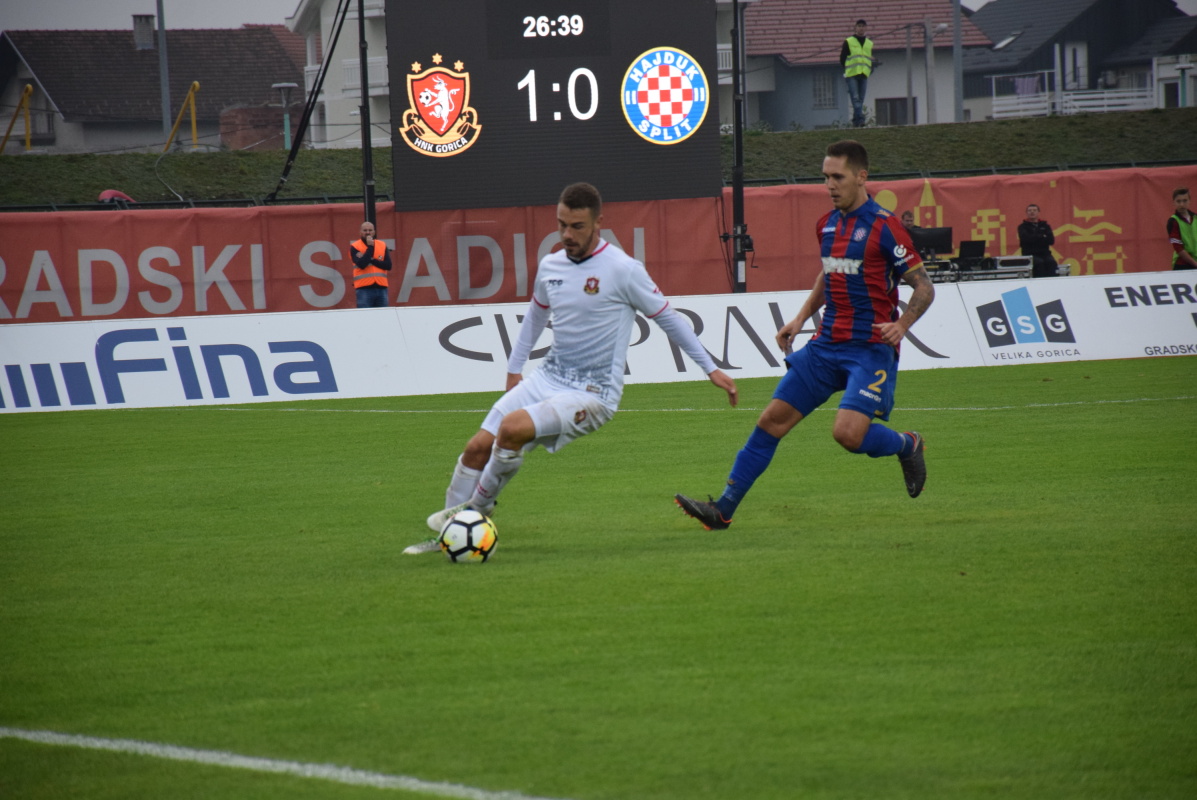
957, 62
739, 229
929, 52
367, 149
910, 120
1058, 66
163, 70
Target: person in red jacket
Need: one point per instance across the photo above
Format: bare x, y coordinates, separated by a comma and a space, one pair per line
371, 263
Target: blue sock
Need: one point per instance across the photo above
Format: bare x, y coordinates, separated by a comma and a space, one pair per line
882, 441
750, 462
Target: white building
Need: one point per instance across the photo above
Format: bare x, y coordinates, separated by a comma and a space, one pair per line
336, 120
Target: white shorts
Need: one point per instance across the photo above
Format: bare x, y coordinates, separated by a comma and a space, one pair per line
560, 414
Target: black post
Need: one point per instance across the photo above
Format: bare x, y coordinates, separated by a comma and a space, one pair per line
741, 244
367, 150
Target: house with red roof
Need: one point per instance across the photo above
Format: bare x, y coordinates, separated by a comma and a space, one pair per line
99, 91
798, 42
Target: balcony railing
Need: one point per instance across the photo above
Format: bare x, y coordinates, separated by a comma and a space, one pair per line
1032, 94
1108, 100
376, 73
724, 53
309, 78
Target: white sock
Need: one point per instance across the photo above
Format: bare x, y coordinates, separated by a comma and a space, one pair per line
462, 484
501, 468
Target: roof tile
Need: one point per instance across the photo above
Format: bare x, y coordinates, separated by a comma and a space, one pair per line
812, 31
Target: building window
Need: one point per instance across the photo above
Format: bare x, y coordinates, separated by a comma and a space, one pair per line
1171, 93
892, 110
824, 89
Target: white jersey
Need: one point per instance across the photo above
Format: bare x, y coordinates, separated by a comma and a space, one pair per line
593, 305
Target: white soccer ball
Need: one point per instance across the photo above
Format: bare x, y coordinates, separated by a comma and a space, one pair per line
469, 537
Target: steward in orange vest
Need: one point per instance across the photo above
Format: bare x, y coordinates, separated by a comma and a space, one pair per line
371, 263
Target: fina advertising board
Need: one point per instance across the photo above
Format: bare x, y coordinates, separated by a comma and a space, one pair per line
254, 358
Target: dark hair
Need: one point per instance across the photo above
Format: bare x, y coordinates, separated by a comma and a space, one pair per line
1178, 192
853, 151
582, 195
862, 22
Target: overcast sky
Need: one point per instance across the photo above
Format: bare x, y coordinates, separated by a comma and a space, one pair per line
118, 14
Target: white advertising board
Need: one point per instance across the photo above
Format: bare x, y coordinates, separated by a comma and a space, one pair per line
399, 351
1132, 315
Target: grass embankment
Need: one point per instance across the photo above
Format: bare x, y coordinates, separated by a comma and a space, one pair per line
1053, 142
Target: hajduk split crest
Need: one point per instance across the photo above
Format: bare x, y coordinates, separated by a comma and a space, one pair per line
665, 95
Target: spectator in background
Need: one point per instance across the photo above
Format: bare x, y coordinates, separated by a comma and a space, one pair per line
371, 263
1035, 238
1182, 232
856, 57
113, 195
908, 221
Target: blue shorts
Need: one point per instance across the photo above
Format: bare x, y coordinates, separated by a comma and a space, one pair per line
866, 373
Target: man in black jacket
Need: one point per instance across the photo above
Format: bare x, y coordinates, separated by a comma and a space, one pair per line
1035, 237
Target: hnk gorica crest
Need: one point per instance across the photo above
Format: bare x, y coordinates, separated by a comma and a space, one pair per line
439, 121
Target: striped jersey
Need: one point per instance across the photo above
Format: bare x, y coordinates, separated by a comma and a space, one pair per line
865, 253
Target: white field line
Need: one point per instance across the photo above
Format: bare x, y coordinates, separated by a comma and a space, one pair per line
260, 409
326, 772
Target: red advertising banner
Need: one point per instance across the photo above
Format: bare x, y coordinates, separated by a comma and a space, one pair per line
146, 263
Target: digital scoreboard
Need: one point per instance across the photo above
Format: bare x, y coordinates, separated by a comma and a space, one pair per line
498, 103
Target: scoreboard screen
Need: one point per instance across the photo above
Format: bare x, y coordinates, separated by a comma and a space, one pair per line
498, 103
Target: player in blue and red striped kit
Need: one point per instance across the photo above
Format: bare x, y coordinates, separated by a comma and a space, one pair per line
865, 252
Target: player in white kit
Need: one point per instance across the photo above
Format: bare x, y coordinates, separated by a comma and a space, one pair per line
591, 290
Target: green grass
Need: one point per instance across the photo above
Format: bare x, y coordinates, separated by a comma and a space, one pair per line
1034, 143
231, 579
1116, 138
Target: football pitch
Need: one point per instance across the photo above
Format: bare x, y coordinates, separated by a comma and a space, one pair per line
211, 601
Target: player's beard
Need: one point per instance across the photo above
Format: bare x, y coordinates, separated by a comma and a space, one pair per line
579, 248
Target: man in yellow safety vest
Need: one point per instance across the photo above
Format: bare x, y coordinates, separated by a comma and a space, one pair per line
856, 57
1182, 232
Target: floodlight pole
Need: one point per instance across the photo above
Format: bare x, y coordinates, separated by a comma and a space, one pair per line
367, 150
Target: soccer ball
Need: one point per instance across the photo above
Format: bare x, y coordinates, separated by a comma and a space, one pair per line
469, 537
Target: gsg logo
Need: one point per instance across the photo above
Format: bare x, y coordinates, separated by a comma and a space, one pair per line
1015, 319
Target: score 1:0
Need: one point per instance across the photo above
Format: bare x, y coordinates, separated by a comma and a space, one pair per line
529, 82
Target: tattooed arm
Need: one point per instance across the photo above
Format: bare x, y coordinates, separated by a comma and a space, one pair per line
920, 301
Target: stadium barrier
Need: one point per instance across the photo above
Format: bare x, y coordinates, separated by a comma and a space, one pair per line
137, 263
248, 358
